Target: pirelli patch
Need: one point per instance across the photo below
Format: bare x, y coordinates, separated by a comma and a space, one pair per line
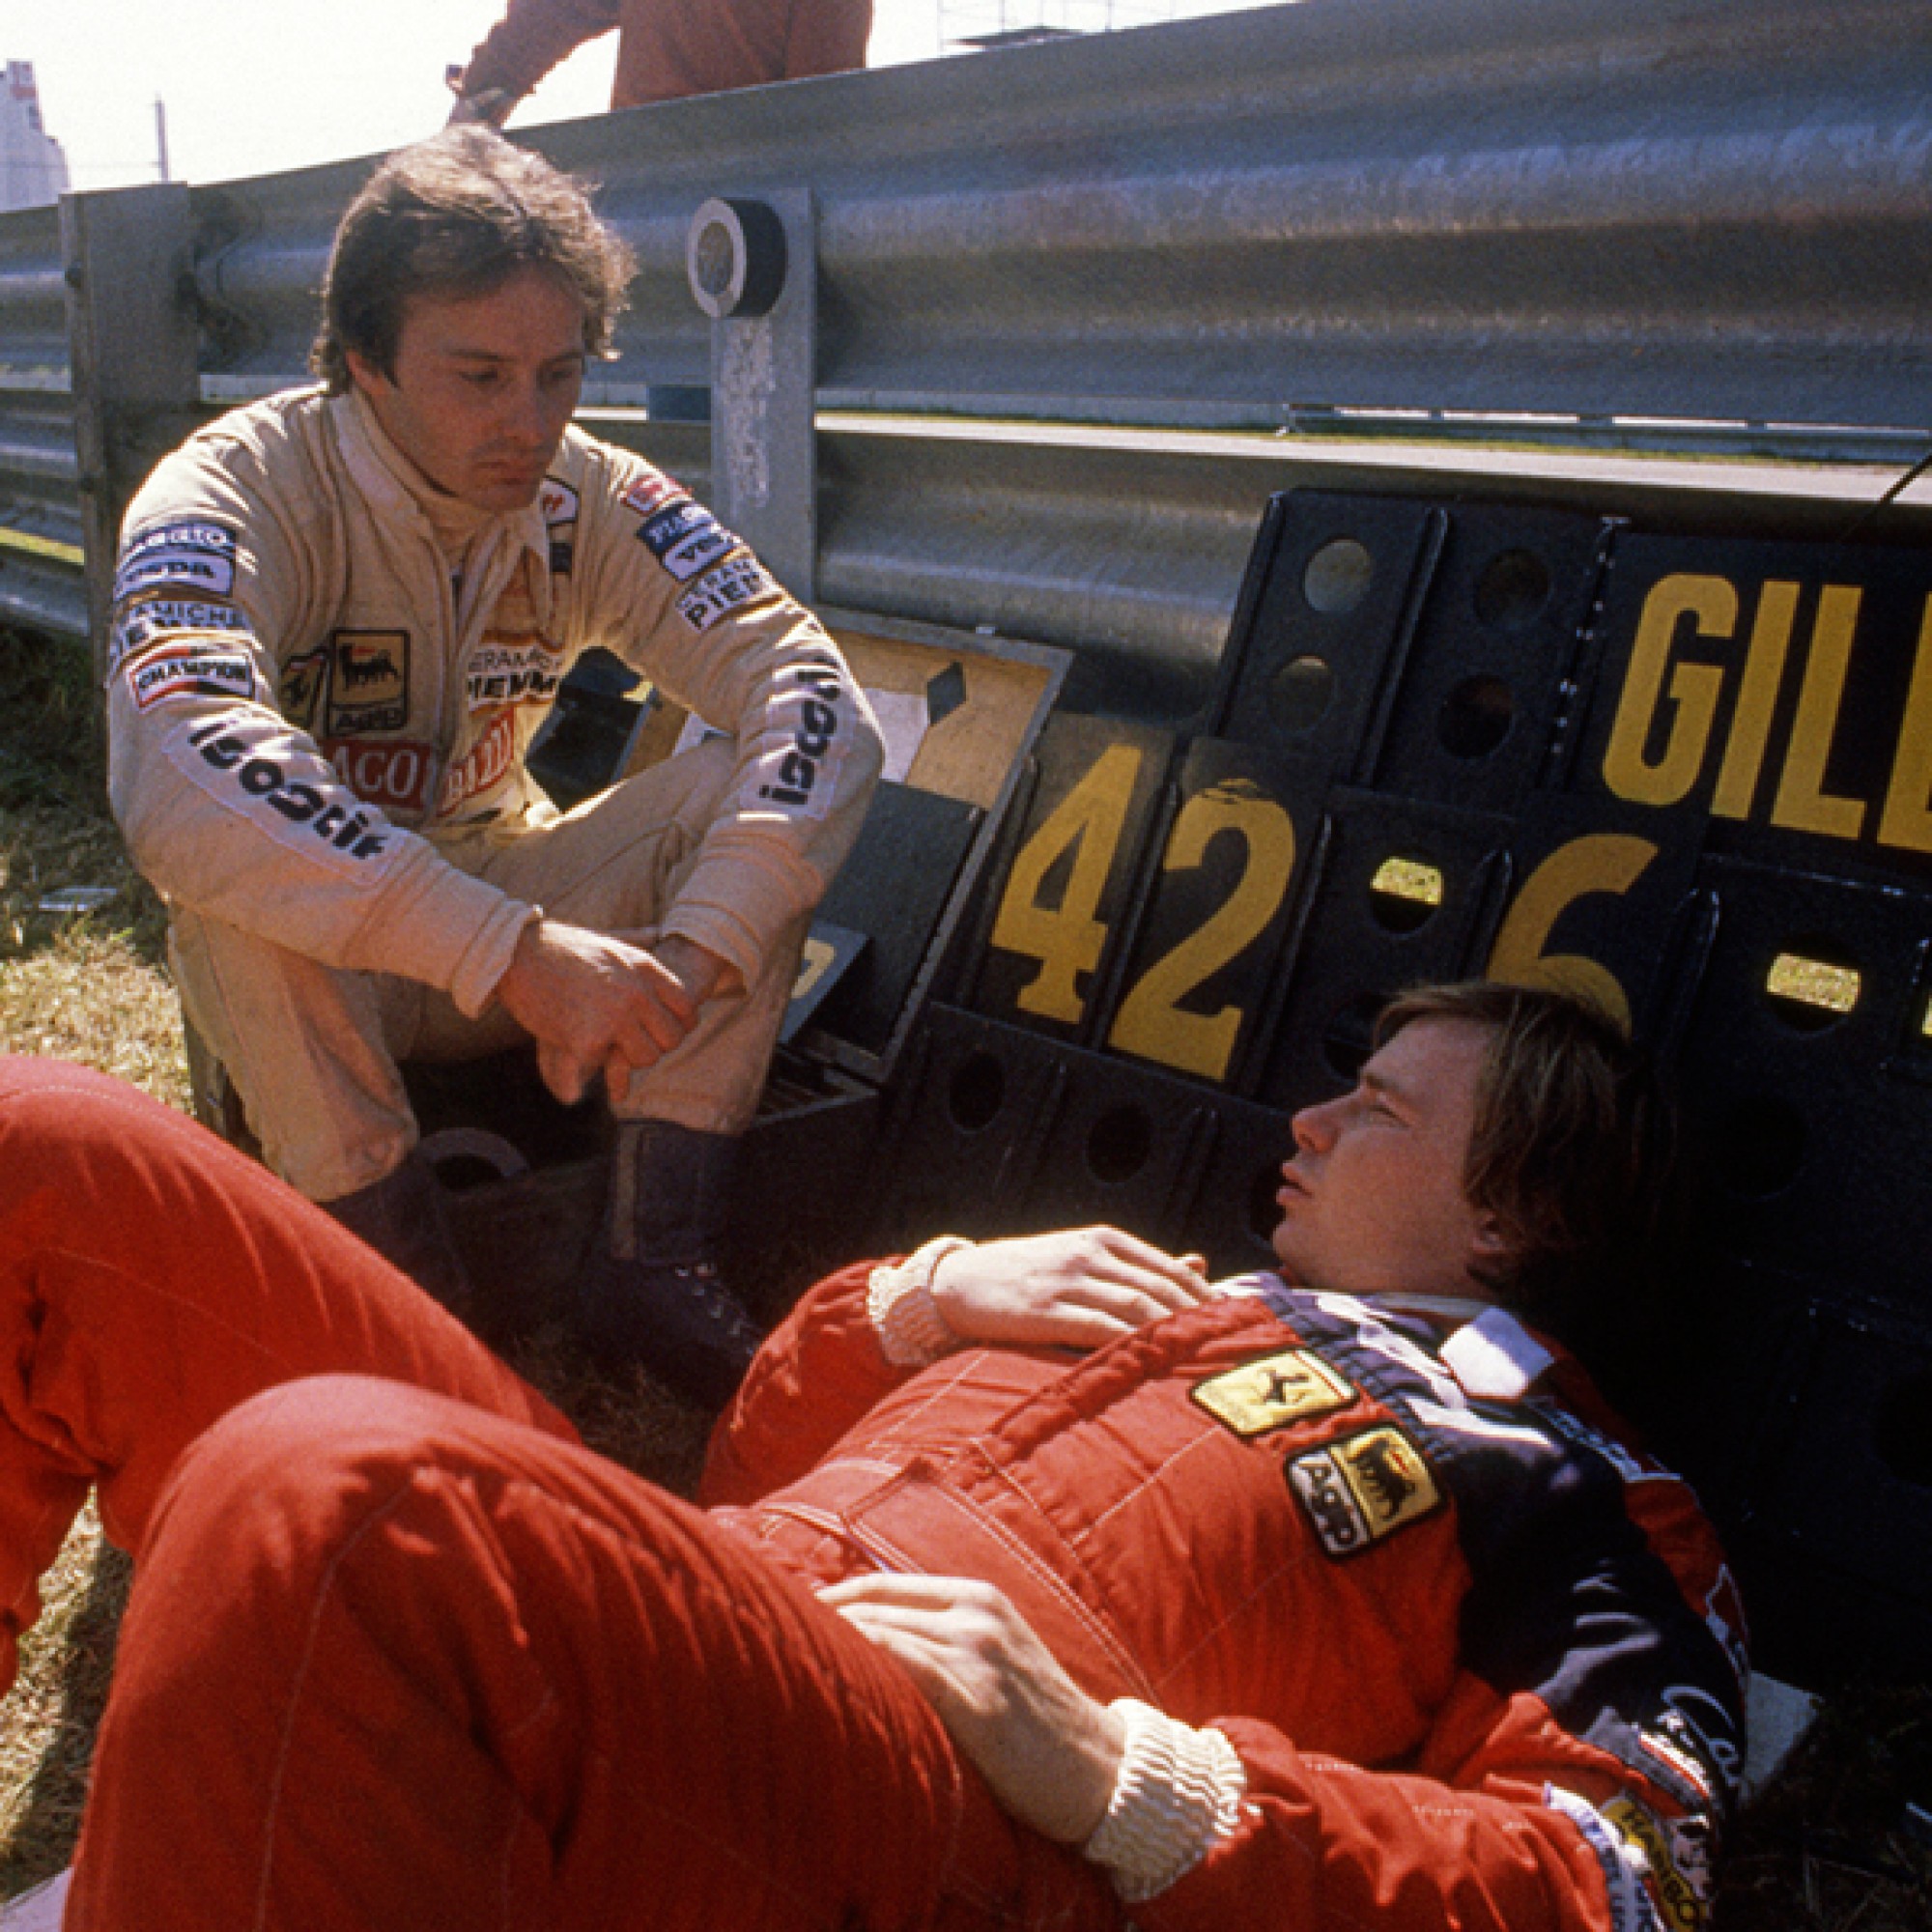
736, 582
1274, 1391
1363, 1488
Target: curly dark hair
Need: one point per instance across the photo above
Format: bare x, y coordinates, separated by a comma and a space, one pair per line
454, 217
1573, 1143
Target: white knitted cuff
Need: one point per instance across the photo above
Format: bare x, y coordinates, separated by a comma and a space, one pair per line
898, 1301
1177, 1794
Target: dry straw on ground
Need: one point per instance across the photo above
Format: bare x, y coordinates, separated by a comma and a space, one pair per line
1842, 1843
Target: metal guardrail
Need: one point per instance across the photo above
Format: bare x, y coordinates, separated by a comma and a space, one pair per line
40, 549
1324, 242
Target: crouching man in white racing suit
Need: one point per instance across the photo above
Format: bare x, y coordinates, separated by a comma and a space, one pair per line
341, 614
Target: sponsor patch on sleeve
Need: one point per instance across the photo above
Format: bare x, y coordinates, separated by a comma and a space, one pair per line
190, 558
147, 618
249, 763
1272, 1392
736, 583
176, 673
651, 492
1363, 1488
686, 538
799, 773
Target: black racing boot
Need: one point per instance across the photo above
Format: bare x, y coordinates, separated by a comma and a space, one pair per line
651, 1293
404, 1217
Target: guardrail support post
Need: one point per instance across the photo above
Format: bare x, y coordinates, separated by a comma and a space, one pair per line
132, 341
754, 270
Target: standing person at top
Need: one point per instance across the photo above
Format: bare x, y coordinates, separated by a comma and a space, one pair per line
341, 614
666, 48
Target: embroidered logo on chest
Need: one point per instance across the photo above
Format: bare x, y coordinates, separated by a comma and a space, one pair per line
1272, 1392
369, 691
1363, 1488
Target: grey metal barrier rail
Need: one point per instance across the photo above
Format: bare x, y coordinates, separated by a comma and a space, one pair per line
1334, 242
41, 547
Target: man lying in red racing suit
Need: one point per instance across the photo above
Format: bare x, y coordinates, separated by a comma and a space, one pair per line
1303, 1607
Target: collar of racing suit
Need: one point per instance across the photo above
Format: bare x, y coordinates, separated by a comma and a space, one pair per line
1491, 1356
465, 535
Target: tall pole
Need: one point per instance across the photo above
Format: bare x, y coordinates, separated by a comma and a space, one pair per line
161, 138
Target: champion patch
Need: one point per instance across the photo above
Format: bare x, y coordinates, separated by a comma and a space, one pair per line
369, 686
1363, 1488
180, 671
1273, 1392
737, 581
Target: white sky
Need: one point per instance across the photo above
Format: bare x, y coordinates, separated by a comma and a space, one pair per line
258, 86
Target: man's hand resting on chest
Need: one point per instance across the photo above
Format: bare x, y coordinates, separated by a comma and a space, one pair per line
1079, 1290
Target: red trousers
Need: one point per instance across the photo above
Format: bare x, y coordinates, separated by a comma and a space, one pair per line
400, 1652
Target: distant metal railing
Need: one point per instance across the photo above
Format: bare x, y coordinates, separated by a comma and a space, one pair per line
1551, 238
40, 550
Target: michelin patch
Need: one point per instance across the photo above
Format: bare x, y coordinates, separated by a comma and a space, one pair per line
686, 538
800, 772
176, 673
369, 682
191, 557
151, 617
1363, 1488
250, 764
736, 583
1271, 1393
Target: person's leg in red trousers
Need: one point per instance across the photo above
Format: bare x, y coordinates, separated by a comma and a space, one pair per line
393, 1665
151, 1278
